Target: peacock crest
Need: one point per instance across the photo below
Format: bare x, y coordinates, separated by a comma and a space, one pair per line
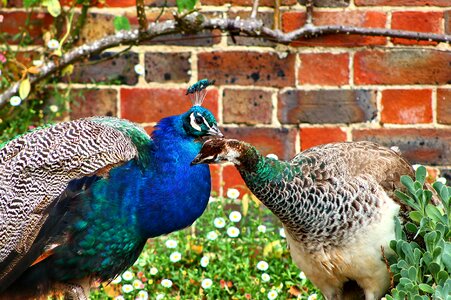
198, 91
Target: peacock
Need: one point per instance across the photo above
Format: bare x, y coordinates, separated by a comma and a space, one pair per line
337, 205
79, 199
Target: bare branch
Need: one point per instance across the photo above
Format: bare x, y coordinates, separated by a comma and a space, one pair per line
308, 12
141, 13
254, 10
194, 22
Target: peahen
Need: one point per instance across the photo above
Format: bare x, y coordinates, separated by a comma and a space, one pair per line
337, 205
79, 199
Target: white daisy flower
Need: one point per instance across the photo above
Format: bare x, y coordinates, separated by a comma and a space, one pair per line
273, 156
272, 294
171, 243
312, 297
120, 297
137, 284
142, 295
15, 101
441, 179
207, 283
261, 228
160, 296
116, 280
153, 271
127, 275
265, 277
282, 232
53, 108
53, 44
175, 256
219, 222
37, 62
262, 265
302, 276
212, 235
235, 216
233, 193
127, 288
204, 261
139, 69
167, 283
233, 232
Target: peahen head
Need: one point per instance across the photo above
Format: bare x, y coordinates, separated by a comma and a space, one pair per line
199, 122
216, 151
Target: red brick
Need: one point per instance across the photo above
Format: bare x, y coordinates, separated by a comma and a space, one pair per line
279, 141
168, 67
151, 105
247, 106
406, 106
326, 106
232, 179
416, 21
215, 172
11, 3
418, 146
402, 2
444, 106
14, 22
447, 15
314, 136
246, 2
93, 102
247, 68
294, 20
324, 68
411, 66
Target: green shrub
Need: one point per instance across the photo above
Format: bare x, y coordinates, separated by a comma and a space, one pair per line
423, 266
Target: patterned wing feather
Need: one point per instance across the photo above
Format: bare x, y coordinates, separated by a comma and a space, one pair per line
36, 168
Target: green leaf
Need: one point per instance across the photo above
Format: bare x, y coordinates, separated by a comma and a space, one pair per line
434, 268
410, 227
406, 199
121, 23
53, 6
426, 288
407, 182
420, 174
416, 216
186, 5
442, 276
433, 212
24, 88
29, 3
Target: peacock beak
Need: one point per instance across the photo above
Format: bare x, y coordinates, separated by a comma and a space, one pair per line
214, 131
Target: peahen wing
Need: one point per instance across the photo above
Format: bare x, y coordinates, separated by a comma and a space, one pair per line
36, 168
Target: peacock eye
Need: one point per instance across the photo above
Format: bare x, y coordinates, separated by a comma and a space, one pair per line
199, 120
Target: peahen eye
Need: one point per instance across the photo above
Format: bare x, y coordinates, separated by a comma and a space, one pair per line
199, 120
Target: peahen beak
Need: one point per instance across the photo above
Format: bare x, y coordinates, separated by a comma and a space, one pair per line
214, 131
196, 160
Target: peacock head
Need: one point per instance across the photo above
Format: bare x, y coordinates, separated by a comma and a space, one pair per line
216, 151
200, 122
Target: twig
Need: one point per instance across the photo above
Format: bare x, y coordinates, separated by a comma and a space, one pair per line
308, 12
254, 10
141, 12
251, 27
277, 14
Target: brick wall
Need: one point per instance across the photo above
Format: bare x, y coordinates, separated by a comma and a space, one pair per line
283, 98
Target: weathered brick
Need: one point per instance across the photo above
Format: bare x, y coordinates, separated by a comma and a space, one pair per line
444, 106
421, 146
168, 67
11, 3
446, 173
406, 106
326, 106
246, 2
247, 68
118, 70
402, 2
293, 20
247, 106
232, 179
324, 68
328, 3
267, 19
152, 104
313, 136
93, 102
447, 16
96, 26
416, 21
279, 141
412, 66
14, 22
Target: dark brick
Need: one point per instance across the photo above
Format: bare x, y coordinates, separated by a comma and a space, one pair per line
418, 146
279, 141
402, 2
247, 106
152, 104
246, 2
96, 26
268, 20
412, 66
118, 70
444, 106
11, 3
326, 106
328, 3
14, 22
247, 68
446, 173
168, 67
93, 102
447, 16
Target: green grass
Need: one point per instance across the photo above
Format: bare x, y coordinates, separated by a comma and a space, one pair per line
232, 261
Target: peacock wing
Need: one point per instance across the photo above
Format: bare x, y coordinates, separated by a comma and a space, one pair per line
36, 168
